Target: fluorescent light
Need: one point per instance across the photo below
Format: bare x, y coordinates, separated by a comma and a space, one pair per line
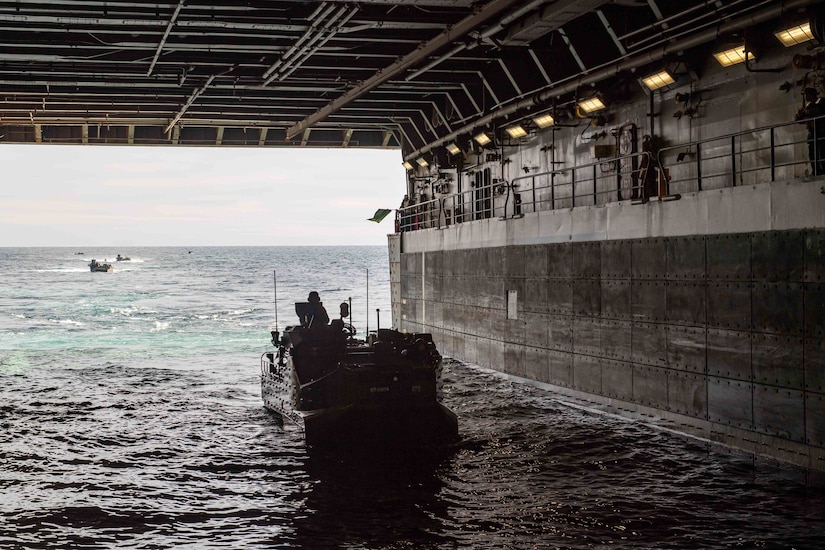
545, 120
658, 80
516, 131
422, 161
482, 139
795, 35
407, 165
732, 56
453, 149
591, 105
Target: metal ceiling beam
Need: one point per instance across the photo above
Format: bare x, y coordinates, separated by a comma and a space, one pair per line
165, 36
627, 63
460, 29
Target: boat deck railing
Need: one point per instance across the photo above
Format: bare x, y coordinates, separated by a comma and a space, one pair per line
757, 155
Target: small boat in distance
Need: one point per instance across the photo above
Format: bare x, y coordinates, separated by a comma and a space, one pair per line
95, 266
341, 390
123, 258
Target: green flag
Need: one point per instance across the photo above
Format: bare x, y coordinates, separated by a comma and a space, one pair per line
380, 214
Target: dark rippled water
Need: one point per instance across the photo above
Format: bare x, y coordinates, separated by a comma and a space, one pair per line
131, 418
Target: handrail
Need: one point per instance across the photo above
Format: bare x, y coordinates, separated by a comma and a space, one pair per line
757, 155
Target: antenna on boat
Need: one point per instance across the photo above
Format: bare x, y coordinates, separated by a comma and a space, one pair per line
275, 333
378, 318
368, 303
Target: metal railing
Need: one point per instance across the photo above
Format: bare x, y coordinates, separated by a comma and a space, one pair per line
758, 155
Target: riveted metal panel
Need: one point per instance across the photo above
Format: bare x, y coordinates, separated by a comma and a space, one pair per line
615, 299
514, 360
685, 258
497, 355
648, 259
616, 259
616, 340
536, 262
496, 292
587, 373
561, 368
729, 305
729, 354
777, 360
814, 270
560, 260
430, 286
777, 308
650, 386
777, 256
649, 299
814, 310
437, 288
433, 263
507, 329
814, 360
477, 350
729, 257
730, 402
493, 264
537, 364
515, 261
649, 343
560, 332
448, 262
471, 262
815, 419
686, 348
482, 320
586, 335
587, 297
686, 302
687, 394
435, 314
536, 332
458, 344
560, 296
617, 379
535, 295
779, 412
586, 260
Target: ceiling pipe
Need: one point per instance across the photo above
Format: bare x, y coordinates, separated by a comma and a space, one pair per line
299, 60
613, 69
460, 29
487, 33
166, 33
326, 10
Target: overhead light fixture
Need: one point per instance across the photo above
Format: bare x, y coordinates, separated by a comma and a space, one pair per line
545, 120
733, 56
453, 149
591, 105
798, 34
407, 165
482, 138
658, 80
516, 131
422, 162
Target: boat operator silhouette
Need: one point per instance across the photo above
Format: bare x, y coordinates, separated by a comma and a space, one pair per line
319, 313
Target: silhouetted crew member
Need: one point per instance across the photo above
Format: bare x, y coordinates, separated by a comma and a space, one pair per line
319, 313
814, 109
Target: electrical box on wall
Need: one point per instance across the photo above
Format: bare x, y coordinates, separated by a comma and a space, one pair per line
603, 151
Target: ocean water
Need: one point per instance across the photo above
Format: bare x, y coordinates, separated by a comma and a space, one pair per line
131, 417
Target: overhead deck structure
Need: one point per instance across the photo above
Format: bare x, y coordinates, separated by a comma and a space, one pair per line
373, 73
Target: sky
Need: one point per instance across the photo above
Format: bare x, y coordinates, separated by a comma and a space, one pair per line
88, 195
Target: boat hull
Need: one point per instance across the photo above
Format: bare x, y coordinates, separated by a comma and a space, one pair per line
365, 397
